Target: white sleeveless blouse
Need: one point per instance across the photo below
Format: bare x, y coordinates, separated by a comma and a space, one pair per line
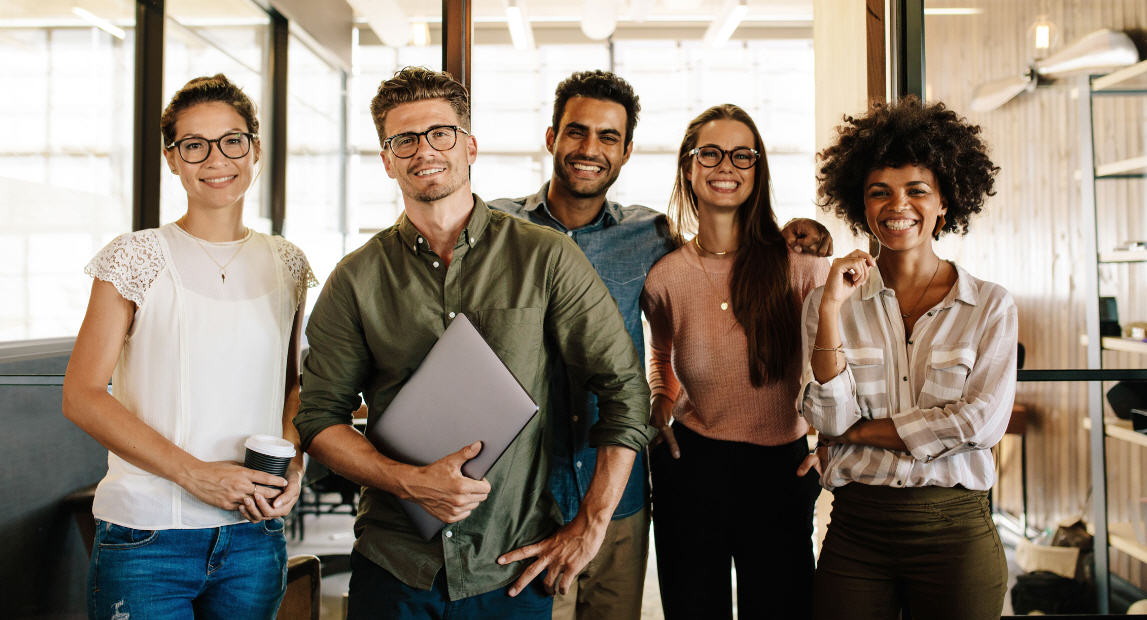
204, 360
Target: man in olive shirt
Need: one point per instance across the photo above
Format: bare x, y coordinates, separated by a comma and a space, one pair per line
535, 297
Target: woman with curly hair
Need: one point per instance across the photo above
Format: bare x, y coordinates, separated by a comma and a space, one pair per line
910, 375
724, 316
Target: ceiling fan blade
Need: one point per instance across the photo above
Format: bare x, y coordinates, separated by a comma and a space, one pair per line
991, 95
1102, 48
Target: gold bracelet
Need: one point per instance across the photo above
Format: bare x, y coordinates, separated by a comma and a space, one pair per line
839, 347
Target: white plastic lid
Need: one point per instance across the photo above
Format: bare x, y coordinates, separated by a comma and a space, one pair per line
270, 445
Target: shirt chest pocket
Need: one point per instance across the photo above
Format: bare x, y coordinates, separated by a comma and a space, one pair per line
946, 374
516, 335
870, 375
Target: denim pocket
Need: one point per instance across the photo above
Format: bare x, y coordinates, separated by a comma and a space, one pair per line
112, 536
273, 527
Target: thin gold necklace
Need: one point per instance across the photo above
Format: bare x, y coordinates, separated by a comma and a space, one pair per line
697, 241
708, 278
222, 267
923, 292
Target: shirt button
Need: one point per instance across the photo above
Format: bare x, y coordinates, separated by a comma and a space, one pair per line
899, 483
909, 342
471, 240
905, 378
578, 464
420, 239
575, 418
451, 315
435, 264
570, 233
449, 534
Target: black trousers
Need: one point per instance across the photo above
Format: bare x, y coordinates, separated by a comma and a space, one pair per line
723, 502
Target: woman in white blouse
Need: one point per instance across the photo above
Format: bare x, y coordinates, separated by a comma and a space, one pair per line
910, 375
197, 324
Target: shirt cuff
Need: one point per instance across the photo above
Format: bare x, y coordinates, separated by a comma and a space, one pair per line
922, 441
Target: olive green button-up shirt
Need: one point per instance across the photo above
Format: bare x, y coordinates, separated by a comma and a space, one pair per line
534, 296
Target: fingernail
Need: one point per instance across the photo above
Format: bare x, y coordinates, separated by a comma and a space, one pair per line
501, 560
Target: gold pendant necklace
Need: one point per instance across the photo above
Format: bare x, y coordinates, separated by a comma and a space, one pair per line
222, 267
724, 302
924, 292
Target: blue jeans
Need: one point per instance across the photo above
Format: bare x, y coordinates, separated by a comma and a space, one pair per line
236, 572
376, 594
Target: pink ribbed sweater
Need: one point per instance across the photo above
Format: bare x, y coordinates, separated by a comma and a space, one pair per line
699, 353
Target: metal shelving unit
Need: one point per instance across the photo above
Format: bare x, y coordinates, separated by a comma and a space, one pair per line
1130, 81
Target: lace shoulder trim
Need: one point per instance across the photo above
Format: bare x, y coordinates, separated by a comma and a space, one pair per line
296, 264
131, 263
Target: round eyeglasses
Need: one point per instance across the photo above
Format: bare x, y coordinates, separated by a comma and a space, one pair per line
196, 150
440, 138
711, 156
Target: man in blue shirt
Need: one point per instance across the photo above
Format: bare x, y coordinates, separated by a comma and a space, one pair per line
591, 138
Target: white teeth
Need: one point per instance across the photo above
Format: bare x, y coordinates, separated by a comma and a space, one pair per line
587, 168
723, 184
422, 173
899, 224
219, 179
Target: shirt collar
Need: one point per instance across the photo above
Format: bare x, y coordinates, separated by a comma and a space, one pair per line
413, 241
608, 216
966, 290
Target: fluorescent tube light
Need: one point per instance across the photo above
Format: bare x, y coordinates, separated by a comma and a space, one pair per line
99, 22
952, 11
520, 32
723, 26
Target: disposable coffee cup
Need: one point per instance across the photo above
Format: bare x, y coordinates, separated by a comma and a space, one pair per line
269, 453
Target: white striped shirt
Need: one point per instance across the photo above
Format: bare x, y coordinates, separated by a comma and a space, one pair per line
949, 390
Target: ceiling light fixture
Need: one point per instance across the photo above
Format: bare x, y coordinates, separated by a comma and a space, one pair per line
99, 22
520, 32
952, 11
598, 19
386, 19
726, 22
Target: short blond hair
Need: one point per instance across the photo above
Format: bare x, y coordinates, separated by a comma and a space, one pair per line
411, 84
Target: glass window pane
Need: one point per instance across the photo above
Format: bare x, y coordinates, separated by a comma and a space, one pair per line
65, 159
315, 207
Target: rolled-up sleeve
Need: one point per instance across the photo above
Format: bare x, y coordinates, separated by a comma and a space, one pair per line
584, 322
978, 419
829, 407
337, 363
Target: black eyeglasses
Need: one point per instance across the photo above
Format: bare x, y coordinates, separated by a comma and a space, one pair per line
196, 150
711, 156
440, 138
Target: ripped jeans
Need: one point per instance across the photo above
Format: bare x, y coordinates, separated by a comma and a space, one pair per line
236, 572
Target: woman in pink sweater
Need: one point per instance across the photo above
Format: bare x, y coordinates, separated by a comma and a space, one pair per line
724, 316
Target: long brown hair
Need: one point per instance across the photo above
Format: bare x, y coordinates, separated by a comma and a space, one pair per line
762, 295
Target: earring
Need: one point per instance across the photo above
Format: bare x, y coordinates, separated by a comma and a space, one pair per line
874, 240
940, 221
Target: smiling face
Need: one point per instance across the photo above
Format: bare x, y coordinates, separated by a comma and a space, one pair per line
901, 206
589, 146
723, 186
429, 175
217, 182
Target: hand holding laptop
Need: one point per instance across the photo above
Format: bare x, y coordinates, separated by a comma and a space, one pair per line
444, 491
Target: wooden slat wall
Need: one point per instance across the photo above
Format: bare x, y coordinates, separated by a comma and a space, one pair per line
1029, 237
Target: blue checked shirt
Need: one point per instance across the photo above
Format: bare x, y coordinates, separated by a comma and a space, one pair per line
622, 244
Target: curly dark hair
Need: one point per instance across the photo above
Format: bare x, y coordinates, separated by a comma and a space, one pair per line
598, 85
908, 132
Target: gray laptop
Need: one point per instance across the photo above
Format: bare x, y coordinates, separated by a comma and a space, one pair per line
460, 393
